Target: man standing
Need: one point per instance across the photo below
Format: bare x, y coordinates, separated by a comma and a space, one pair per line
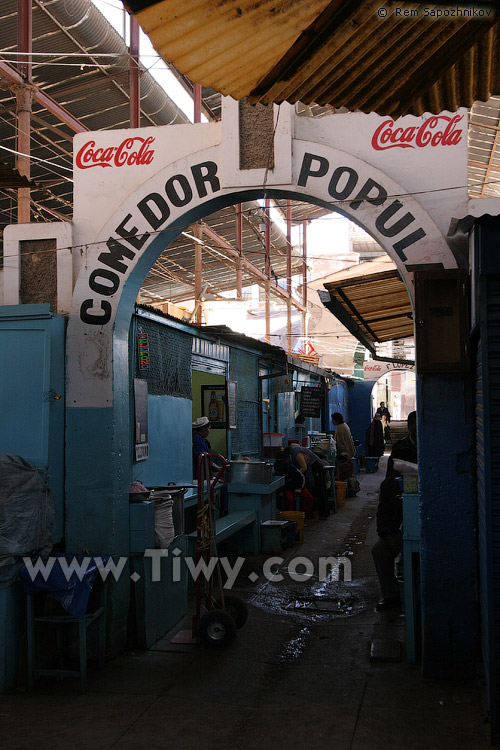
201, 431
383, 411
374, 438
385, 416
390, 518
343, 437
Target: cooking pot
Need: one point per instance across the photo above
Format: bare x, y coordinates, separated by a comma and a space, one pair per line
249, 472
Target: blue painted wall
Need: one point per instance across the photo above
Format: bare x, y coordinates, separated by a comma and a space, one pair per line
360, 409
31, 374
337, 399
170, 442
448, 525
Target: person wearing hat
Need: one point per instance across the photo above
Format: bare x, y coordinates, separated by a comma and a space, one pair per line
201, 430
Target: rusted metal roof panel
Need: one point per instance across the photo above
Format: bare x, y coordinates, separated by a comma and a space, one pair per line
11, 178
395, 58
83, 64
231, 44
372, 301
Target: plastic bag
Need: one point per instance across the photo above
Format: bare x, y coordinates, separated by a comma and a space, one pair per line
353, 486
26, 516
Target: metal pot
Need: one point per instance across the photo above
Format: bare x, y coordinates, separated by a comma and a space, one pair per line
249, 472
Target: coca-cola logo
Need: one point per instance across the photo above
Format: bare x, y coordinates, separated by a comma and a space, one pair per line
131, 151
372, 368
438, 130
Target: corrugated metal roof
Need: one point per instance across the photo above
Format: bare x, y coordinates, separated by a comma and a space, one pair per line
10, 178
372, 302
82, 63
172, 276
395, 58
484, 149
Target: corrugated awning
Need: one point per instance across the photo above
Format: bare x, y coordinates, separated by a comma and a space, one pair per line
393, 57
371, 301
11, 178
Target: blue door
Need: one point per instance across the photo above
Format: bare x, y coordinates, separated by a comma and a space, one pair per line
32, 393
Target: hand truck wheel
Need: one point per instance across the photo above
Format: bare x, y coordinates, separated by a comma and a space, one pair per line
216, 629
236, 607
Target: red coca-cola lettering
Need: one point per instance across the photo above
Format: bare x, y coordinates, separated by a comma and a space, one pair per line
127, 153
432, 132
372, 368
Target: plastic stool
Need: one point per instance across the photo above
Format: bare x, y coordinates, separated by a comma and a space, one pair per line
371, 464
299, 517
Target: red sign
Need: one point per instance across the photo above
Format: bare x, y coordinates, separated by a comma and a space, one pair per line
439, 130
308, 350
127, 153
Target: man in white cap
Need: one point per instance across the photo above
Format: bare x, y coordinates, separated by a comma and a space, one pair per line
201, 430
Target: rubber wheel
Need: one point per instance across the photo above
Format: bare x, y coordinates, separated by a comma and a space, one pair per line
216, 629
236, 607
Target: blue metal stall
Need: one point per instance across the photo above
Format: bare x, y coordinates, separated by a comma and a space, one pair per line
32, 426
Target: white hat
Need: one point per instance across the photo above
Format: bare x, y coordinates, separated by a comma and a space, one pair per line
200, 422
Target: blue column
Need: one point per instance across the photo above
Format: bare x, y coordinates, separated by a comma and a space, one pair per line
448, 525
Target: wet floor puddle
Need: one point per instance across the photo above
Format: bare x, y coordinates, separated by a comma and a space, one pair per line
317, 601
295, 647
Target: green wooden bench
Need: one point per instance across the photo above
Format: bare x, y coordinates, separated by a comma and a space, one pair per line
242, 520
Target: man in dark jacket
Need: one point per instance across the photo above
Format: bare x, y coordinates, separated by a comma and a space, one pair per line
383, 411
385, 417
405, 449
390, 518
374, 438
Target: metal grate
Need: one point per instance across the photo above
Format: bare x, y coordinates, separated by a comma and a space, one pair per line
244, 367
169, 371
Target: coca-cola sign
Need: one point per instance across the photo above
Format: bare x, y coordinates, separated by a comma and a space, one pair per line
134, 151
439, 130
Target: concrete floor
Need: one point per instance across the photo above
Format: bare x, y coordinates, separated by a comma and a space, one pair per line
296, 676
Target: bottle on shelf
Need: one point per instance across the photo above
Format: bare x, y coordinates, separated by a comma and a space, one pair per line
213, 412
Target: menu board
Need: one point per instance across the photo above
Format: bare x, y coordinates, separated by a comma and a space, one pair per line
311, 400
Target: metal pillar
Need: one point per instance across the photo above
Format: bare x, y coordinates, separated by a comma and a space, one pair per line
289, 276
198, 274
304, 278
267, 285
135, 93
239, 249
23, 106
197, 102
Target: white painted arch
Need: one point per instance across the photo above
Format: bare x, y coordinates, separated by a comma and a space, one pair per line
125, 217
114, 266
